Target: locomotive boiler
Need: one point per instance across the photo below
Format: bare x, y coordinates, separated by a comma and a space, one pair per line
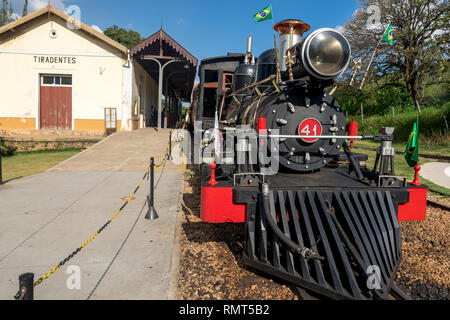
273, 154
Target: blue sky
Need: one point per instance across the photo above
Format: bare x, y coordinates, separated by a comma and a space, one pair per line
205, 28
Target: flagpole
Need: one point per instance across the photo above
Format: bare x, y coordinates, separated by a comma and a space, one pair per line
371, 60
276, 47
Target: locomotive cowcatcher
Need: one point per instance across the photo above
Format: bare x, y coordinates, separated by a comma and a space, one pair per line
272, 147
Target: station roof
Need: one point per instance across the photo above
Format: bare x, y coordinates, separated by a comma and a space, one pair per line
164, 48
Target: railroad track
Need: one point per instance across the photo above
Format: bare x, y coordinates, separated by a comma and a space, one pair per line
438, 205
426, 156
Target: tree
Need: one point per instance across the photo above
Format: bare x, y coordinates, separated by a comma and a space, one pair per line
128, 38
25, 9
421, 31
6, 13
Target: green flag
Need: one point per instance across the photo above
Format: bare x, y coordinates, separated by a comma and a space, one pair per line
389, 35
264, 14
412, 149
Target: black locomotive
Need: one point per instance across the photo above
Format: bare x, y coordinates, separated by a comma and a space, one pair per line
315, 215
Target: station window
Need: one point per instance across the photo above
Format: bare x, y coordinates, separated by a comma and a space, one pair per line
110, 118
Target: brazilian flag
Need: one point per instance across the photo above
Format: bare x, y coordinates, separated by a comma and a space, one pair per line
412, 149
389, 35
264, 14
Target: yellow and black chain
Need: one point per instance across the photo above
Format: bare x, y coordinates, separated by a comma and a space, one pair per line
166, 154
69, 257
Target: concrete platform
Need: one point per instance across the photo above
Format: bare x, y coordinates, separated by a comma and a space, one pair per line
437, 172
47, 216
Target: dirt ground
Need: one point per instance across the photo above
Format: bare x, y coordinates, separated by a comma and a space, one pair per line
211, 266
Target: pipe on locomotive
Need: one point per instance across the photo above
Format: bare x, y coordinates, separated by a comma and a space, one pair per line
249, 58
306, 253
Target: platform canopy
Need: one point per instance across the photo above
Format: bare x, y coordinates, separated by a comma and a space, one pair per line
178, 78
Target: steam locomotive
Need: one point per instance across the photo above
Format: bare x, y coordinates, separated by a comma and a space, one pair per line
271, 145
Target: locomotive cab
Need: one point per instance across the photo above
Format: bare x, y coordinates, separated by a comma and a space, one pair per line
216, 82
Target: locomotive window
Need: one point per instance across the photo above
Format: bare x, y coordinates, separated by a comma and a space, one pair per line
227, 82
209, 102
211, 76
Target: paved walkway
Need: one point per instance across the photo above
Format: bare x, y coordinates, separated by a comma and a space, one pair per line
437, 172
47, 216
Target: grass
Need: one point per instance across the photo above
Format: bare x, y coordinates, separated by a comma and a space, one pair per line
29, 163
401, 167
433, 138
433, 125
436, 148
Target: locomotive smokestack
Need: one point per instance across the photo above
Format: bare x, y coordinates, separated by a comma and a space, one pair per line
291, 32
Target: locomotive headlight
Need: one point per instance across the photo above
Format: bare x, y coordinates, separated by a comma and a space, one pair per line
326, 53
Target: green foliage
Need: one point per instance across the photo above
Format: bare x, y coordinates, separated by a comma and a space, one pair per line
433, 124
6, 13
383, 93
420, 49
126, 37
25, 9
376, 100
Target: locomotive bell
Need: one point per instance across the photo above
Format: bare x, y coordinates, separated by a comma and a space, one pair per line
291, 32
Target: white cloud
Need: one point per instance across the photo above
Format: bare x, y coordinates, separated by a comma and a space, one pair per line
340, 29
180, 21
97, 28
34, 5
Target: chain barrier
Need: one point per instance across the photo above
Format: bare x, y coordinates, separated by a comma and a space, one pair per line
75, 252
166, 155
19, 295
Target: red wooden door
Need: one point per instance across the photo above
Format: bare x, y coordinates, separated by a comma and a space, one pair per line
56, 102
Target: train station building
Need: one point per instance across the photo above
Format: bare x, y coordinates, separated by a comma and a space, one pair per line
60, 74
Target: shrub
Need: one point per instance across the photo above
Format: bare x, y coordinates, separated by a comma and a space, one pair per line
433, 124
6, 150
376, 100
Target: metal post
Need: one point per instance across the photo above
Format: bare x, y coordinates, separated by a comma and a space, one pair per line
362, 116
25, 287
169, 155
160, 85
151, 214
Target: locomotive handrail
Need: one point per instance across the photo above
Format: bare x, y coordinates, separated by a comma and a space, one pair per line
253, 85
316, 137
